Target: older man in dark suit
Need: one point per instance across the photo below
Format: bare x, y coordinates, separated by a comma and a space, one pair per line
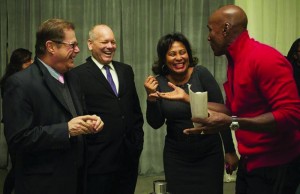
110, 93
41, 108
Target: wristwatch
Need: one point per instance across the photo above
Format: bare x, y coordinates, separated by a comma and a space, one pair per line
234, 124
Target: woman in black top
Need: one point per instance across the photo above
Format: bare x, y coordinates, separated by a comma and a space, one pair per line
192, 163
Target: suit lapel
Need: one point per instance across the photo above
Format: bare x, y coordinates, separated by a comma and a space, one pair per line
74, 94
52, 85
97, 73
120, 74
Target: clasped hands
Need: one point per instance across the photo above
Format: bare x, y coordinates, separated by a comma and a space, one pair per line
86, 124
216, 121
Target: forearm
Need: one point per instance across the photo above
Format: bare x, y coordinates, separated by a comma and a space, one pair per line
40, 138
153, 115
262, 123
227, 141
218, 108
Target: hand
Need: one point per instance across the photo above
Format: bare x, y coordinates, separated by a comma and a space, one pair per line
231, 162
214, 123
84, 125
97, 123
151, 85
177, 94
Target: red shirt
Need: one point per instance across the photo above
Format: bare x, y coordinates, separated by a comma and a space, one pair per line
260, 80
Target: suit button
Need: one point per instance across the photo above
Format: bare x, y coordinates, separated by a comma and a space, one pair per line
119, 98
123, 117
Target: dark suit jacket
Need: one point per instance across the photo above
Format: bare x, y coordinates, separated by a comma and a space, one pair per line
35, 117
120, 142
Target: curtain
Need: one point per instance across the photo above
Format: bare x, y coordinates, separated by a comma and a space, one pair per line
137, 24
3, 62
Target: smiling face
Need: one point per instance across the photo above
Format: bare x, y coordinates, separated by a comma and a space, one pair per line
177, 58
102, 44
64, 53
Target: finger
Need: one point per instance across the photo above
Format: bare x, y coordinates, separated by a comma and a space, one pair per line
87, 117
81, 129
90, 122
148, 81
153, 95
148, 78
193, 131
87, 123
85, 130
154, 85
98, 125
151, 79
209, 112
172, 85
95, 118
96, 122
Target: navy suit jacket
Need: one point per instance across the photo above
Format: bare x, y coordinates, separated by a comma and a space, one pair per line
35, 117
120, 143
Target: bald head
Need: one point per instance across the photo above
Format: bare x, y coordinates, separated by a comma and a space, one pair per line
231, 16
234, 15
98, 30
102, 43
225, 25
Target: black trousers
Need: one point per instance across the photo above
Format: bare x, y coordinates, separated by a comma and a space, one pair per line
282, 179
119, 182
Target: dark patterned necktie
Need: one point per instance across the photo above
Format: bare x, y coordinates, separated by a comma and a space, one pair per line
110, 80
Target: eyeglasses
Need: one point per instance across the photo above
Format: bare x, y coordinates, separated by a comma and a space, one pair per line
72, 45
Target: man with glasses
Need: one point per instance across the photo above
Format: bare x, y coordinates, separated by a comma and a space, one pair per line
41, 115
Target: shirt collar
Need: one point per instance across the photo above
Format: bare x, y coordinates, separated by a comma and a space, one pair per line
237, 47
101, 65
54, 73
